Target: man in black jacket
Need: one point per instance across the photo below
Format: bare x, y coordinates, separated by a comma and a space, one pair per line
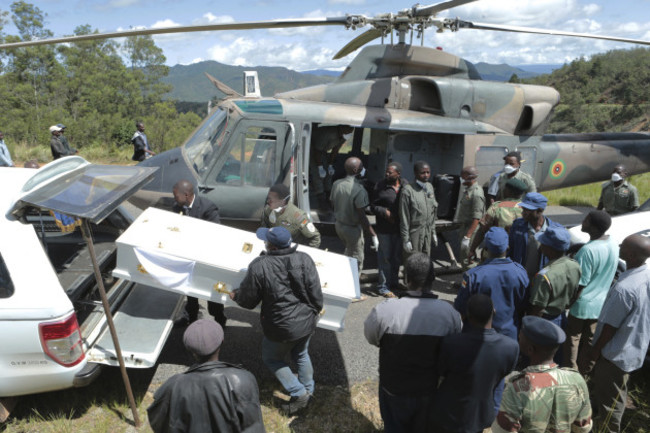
187, 203
287, 284
212, 396
141, 148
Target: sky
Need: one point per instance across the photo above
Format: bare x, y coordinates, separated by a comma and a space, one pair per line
313, 48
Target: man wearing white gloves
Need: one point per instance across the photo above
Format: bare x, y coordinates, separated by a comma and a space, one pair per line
417, 212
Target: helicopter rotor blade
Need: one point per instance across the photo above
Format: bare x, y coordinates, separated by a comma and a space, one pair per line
438, 7
251, 25
481, 26
358, 42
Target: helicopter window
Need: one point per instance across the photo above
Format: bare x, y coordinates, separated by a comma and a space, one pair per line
6, 285
206, 140
251, 160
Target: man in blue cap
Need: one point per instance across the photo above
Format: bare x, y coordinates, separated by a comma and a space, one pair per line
530, 398
64, 141
524, 248
555, 287
286, 282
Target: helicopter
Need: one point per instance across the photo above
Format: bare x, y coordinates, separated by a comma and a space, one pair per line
404, 102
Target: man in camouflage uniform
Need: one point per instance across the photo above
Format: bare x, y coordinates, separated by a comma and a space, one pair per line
325, 145
618, 196
543, 397
500, 213
280, 212
512, 170
417, 212
349, 200
555, 287
470, 209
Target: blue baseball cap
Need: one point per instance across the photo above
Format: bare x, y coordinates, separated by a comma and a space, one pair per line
278, 236
533, 201
557, 238
60, 125
496, 240
542, 332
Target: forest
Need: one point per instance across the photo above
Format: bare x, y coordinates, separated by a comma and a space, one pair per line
97, 89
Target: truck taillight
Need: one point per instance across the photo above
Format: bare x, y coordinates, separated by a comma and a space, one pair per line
62, 341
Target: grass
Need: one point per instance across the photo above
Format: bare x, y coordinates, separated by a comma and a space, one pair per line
588, 195
103, 407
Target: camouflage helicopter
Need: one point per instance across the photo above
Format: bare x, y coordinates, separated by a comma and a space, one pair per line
405, 103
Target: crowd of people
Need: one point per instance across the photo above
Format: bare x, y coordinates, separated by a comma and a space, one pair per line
531, 321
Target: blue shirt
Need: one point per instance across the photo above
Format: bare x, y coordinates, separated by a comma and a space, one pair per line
518, 243
627, 308
504, 281
472, 364
598, 262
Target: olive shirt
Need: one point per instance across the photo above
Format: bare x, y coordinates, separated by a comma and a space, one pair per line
617, 200
555, 285
471, 205
524, 177
347, 196
296, 221
417, 216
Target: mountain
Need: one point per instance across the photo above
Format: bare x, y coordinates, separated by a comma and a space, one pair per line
540, 69
501, 72
190, 83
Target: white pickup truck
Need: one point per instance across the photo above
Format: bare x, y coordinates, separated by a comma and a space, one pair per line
53, 331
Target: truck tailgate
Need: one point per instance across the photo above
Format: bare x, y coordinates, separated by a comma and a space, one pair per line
143, 323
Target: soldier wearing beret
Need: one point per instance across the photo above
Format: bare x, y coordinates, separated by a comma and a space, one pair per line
530, 397
280, 212
501, 213
555, 287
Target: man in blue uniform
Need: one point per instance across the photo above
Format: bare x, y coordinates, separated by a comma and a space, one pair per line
502, 280
524, 247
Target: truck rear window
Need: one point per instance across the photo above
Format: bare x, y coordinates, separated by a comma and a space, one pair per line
6, 285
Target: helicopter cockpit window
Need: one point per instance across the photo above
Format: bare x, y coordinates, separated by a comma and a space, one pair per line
202, 145
251, 160
6, 285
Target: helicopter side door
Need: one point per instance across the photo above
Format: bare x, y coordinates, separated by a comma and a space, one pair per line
252, 161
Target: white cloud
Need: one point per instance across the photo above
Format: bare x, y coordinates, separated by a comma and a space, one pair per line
591, 9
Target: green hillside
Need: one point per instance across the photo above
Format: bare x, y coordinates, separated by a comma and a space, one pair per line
501, 72
190, 83
610, 92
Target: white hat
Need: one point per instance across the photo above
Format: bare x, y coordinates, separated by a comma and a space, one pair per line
54, 128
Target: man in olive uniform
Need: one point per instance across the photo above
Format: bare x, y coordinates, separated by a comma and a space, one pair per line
512, 170
618, 196
280, 212
417, 212
530, 399
500, 213
325, 145
555, 287
470, 209
349, 200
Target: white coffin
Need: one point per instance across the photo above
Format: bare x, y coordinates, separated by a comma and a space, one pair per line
206, 260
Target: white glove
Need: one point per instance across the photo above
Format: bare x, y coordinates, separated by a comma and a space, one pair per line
435, 239
321, 172
464, 244
375, 243
330, 170
408, 247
